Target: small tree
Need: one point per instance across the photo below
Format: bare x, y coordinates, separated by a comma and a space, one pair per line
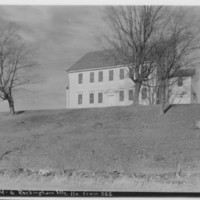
14, 55
134, 32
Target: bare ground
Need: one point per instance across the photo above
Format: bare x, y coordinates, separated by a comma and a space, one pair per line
131, 148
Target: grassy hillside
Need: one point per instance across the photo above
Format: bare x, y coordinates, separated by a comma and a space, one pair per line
104, 144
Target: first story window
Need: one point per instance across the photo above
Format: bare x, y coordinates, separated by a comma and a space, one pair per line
91, 98
100, 97
80, 78
130, 95
80, 99
121, 95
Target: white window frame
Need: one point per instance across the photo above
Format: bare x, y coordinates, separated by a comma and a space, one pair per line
91, 102
100, 76
111, 72
121, 73
121, 100
80, 95
80, 78
180, 81
101, 97
91, 77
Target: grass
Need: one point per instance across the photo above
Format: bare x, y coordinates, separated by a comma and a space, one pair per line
118, 145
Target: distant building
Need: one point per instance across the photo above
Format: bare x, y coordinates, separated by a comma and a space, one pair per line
101, 80
182, 90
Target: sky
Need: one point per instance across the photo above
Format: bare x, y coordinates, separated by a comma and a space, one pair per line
60, 35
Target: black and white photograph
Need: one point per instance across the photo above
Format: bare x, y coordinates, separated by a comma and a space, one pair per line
99, 99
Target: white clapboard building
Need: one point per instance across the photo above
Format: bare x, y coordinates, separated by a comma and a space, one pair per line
98, 80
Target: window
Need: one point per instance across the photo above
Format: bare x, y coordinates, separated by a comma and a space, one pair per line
100, 97
144, 93
80, 99
121, 73
180, 81
80, 78
110, 75
130, 95
91, 97
91, 77
121, 95
100, 76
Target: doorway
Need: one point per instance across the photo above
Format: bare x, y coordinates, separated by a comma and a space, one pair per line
111, 99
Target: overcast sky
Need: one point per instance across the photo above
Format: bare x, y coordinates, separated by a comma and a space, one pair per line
61, 34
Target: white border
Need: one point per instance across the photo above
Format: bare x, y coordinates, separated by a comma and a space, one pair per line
100, 2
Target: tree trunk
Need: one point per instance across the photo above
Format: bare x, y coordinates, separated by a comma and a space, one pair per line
11, 105
136, 93
162, 96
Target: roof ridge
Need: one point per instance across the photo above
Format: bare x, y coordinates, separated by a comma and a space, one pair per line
95, 59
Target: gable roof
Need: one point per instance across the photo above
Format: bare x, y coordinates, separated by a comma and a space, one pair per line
97, 59
111, 58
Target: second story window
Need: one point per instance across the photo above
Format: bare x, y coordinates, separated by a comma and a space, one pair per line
80, 99
100, 97
91, 98
110, 75
180, 81
80, 78
121, 95
121, 73
100, 76
91, 77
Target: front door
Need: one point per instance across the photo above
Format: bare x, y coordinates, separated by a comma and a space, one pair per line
111, 99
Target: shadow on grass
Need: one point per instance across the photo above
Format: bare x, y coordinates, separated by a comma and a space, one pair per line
167, 108
19, 112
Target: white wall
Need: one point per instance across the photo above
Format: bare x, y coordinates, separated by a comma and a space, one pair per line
181, 94
4, 106
110, 89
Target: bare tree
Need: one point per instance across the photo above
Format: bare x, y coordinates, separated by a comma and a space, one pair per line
155, 42
134, 32
175, 49
14, 59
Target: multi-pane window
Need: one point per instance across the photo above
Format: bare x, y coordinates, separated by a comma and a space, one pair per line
180, 81
91, 77
121, 73
130, 95
121, 95
100, 97
91, 97
110, 75
100, 76
80, 98
80, 78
